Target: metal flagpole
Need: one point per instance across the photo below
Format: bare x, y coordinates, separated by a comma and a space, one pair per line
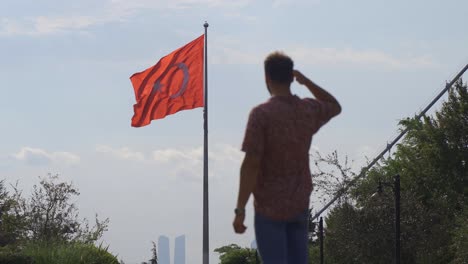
205, 157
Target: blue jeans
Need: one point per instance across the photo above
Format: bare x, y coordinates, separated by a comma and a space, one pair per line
282, 242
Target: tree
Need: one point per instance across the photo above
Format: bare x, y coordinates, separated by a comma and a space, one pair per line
233, 254
154, 258
12, 225
48, 215
460, 242
432, 161
44, 227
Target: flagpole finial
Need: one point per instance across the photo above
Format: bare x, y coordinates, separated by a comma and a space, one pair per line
206, 24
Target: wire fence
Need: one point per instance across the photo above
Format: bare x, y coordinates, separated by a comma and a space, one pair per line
388, 147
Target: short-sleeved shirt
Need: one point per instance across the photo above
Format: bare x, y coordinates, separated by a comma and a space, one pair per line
280, 131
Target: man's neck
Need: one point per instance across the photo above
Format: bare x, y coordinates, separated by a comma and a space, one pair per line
280, 90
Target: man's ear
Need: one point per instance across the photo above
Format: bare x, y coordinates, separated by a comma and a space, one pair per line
267, 83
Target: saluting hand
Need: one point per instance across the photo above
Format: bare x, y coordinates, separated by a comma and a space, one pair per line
300, 78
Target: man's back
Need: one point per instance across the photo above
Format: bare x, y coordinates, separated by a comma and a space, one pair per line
281, 131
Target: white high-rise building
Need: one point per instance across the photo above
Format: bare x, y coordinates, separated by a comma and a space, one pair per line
253, 245
179, 250
163, 250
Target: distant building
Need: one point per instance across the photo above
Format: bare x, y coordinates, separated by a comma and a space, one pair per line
163, 250
253, 245
179, 250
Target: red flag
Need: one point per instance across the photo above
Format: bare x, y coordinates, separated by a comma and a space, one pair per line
175, 83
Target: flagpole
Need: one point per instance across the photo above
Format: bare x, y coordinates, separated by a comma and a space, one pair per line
205, 157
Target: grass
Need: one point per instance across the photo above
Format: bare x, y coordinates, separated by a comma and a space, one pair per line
58, 253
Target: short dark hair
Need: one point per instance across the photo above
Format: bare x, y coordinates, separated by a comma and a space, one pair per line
279, 67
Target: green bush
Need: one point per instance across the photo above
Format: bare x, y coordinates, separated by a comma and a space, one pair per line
9, 256
15, 259
69, 253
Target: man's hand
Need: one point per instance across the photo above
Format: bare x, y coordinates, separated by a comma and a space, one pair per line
319, 93
300, 78
248, 179
238, 224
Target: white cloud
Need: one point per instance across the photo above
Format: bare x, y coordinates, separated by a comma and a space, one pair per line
226, 153
349, 56
282, 3
186, 163
177, 4
50, 25
234, 56
228, 51
10, 27
194, 155
116, 10
190, 155
219, 153
43, 25
121, 153
36, 156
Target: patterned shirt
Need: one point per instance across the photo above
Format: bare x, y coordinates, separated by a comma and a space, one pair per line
280, 131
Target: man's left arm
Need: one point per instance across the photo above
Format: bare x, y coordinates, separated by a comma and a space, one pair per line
250, 169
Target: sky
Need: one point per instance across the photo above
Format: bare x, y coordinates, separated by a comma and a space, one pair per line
66, 98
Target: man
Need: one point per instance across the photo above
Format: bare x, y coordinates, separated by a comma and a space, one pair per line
276, 164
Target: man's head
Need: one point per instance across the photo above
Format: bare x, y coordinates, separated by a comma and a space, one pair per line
279, 69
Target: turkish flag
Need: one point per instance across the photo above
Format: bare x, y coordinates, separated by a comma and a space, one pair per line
175, 83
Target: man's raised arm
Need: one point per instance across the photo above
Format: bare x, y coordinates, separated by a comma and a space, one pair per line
319, 93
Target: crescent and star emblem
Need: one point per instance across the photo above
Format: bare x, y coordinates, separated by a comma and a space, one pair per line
181, 66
